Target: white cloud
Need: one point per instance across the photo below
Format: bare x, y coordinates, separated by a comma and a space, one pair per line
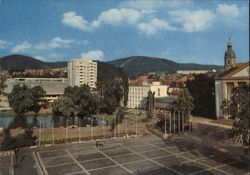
55, 43
93, 55
21, 48
193, 21
3, 44
75, 21
155, 25
230, 15
153, 4
228, 11
118, 16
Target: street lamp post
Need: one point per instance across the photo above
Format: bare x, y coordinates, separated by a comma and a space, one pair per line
165, 116
53, 134
39, 132
136, 125
103, 132
66, 131
126, 126
79, 129
91, 131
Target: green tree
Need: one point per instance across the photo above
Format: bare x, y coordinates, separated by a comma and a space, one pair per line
21, 99
202, 89
112, 95
38, 102
184, 101
125, 86
85, 101
238, 108
63, 106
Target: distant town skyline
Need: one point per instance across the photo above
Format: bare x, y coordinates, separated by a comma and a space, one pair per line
182, 31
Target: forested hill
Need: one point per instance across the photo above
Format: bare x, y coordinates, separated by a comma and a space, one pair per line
105, 70
22, 62
142, 64
131, 65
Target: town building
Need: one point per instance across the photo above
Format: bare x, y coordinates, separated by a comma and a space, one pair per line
159, 89
138, 93
53, 87
187, 72
235, 74
137, 96
82, 71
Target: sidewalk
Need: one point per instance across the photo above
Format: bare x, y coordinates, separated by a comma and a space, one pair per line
222, 123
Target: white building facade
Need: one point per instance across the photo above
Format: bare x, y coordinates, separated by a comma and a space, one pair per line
138, 93
137, 96
159, 89
82, 71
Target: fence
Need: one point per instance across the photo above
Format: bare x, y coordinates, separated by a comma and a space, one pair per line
73, 133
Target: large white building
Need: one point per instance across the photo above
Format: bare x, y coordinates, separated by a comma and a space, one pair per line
138, 93
82, 71
235, 74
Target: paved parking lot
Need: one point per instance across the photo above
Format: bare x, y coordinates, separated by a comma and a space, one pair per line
144, 155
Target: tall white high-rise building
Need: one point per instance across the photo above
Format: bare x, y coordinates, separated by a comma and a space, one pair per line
82, 71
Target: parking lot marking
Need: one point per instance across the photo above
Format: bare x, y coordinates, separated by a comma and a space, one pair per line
41, 163
123, 167
153, 161
195, 160
74, 173
102, 168
77, 162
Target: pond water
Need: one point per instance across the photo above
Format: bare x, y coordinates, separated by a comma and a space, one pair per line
11, 121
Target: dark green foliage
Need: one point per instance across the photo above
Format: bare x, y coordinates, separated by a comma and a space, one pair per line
107, 72
184, 101
23, 99
125, 87
22, 140
118, 117
111, 97
238, 108
7, 142
85, 101
63, 106
202, 89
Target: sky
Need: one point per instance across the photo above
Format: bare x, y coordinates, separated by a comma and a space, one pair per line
182, 31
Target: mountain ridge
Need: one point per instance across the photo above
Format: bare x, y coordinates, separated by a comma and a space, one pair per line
133, 65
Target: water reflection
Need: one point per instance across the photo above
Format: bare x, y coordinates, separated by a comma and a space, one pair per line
46, 120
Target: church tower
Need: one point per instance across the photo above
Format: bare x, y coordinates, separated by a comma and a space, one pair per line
229, 58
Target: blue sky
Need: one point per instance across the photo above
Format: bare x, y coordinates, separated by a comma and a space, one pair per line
183, 31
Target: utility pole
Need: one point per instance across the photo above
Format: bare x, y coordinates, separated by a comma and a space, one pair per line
53, 134
174, 121
40, 134
170, 127
91, 132
183, 113
126, 126
165, 126
179, 124
79, 130
66, 130
136, 125
103, 132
